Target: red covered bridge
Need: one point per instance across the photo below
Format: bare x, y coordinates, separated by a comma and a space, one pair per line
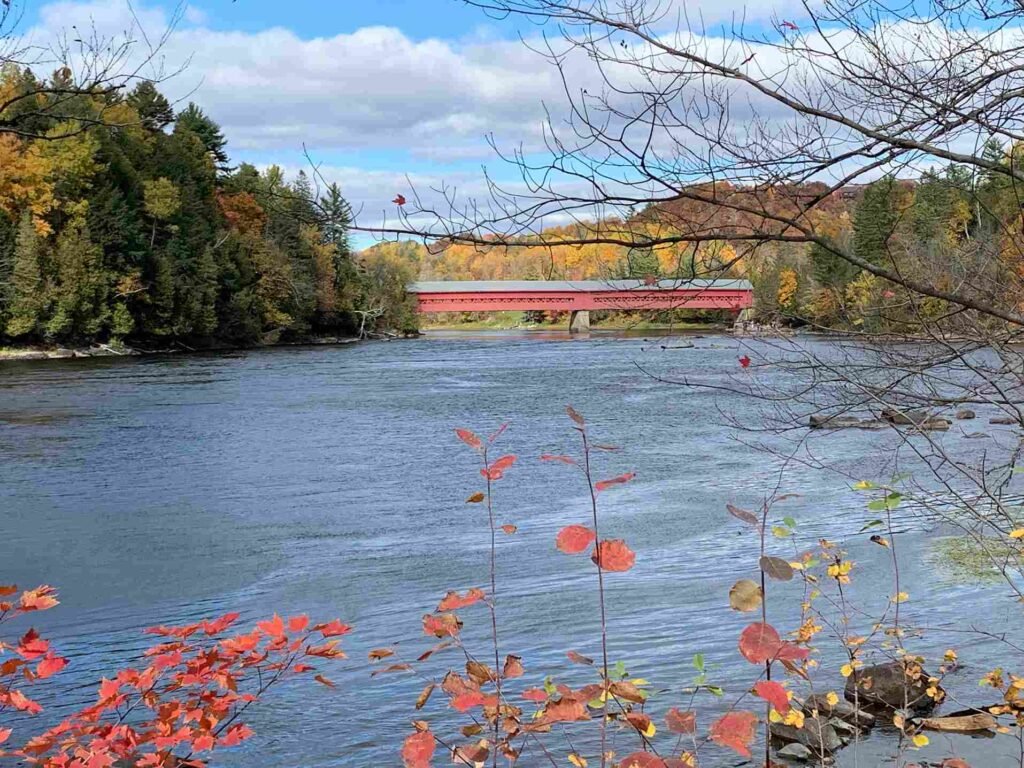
580, 297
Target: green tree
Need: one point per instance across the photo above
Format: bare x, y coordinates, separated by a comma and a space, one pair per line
874, 221
27, 301
80, 285
154, 109
193, 119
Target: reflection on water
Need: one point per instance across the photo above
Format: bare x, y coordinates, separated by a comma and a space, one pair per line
328, 481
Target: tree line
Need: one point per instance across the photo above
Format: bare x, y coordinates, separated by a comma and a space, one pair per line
122, 220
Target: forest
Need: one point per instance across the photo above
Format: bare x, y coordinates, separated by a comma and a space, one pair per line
123, 221
948, 224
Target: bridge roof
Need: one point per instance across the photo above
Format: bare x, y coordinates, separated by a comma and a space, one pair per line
582, 286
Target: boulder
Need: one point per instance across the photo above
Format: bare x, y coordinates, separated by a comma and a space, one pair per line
61, 353
904, 418
843, 710
966, 413
890, 686
796, 752
833, 422
817, 735
1003, 420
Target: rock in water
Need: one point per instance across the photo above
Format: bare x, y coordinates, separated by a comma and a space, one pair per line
841, 709
817, 735
904, 418
891, 686
966, 413
796, 752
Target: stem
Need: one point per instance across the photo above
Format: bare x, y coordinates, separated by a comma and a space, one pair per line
492, 603
600, 592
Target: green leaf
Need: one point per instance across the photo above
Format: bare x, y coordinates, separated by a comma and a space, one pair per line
698, 662
789, 521
781, 533
619, 670
872, 524
714, 690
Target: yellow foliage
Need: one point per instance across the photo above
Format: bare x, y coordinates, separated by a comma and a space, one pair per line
24, 182
788, 285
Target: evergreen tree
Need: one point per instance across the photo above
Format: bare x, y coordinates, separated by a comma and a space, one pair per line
27, 300
154, 109
874, 221
80, 286
193, 119
830, 270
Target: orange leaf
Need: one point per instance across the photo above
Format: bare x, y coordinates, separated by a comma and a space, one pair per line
235, 736
380, 653
50, 666
8, 589
473, 442
5, 734
735, 730
509, 529
20, 701
573, 539
32, 647
443, 625
298, 623
38, 599
273, 627
421, 700
620, 480
564, 711
613, 555
681, 722
333, 629
774, 694
574, 415
418, 749
324, 681
497, 470
553, 457
453, 601
535, 694
579, 658
642, 760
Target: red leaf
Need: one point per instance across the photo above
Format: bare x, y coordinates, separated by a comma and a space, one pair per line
38, 599
472, 441
273, 627
579, 658
298, 623
564, 459
774, 694
443, 625
735, 730
742, 514
236, 735
642, 760
453, 601
333, 629
681, 722
513, 667
8, 589
5, 734
324, 681
613, 555
745, 361
497, 433
509, 529
761, 642
564, 711
620, 480
573, 539
20, 701
418, 749
399, 200
497, 469
217, 626
466, 701
50, 666
32, 647
535, 694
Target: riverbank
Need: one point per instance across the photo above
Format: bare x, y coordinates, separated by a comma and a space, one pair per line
14, 354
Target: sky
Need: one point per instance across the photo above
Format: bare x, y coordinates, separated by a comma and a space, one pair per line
384, 95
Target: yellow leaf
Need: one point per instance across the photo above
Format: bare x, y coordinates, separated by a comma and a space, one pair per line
579, 762
832, 698
950, 656
920, 740
1018, 534
651, 730
902, 597
863, 485
476, 498
846, 670
774, 716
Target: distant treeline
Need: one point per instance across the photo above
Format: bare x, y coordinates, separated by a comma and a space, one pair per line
122, 220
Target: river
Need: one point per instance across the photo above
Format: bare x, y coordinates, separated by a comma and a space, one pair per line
328, 480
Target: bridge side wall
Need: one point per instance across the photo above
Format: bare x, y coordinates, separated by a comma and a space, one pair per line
570, 301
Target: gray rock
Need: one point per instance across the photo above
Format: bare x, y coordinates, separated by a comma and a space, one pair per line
796, 752
935, 425
842, 710
62, 354
889, 686
817, 735
966, 413
833, 422
904, 418
1002, 420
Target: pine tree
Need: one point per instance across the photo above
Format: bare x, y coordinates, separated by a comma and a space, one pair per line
874, 221
154, 109
80, 286
831, 270
193, 119
27, 295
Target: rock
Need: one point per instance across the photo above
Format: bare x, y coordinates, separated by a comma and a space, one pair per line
1003, 420
62, 354
904, 418
969, 722
890, 686
817, 735
833, 422
843, 710
796, 752
966, 413
935, 425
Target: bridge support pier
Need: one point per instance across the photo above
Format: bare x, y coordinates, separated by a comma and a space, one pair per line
579, 321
